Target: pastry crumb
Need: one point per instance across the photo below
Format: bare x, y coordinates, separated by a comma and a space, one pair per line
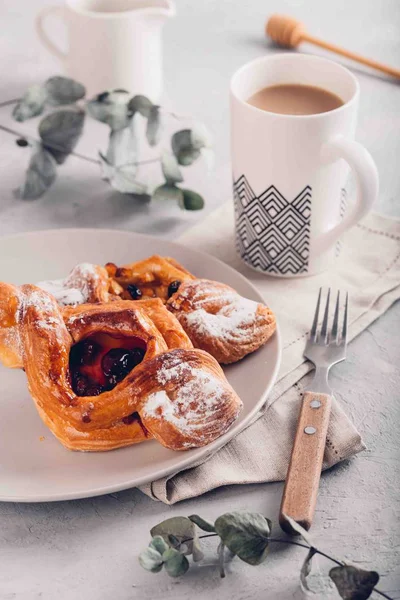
42, 438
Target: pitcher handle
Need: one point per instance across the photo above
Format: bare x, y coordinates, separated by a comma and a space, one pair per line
363, 165
47, 43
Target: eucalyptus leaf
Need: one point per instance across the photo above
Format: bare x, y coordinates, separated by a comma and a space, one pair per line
110, 108
40, 175
182, 147
107, 170
191, 200
245, 534
123, 148
180, 527
306, 570
297, 528
31, 104
170, 167
124, 181
60, 132
168, 192
173, 541
159, 544
202, 523
140, 104
151, 560
200, 137
63, 90
175, 563
221, 559
153, 128
197, 552
353, 583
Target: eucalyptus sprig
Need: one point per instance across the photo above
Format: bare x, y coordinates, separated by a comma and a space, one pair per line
60, 130
248, 536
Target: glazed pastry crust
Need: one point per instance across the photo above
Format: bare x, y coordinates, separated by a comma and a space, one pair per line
152, 276
179, 396
220, 321
164, 321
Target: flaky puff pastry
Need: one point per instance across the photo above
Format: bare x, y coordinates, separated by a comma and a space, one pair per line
152, 276
86, 282
179, 396
220, 321
164, 321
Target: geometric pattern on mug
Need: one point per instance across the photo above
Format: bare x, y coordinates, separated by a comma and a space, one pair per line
272, 233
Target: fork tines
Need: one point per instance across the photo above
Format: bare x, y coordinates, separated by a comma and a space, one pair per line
324, 336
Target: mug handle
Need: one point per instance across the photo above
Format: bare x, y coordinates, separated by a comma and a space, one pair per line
363, 165
47, 43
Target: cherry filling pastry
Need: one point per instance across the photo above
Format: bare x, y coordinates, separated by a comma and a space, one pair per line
99, 362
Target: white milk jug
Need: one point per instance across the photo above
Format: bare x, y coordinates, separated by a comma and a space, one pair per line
113, 44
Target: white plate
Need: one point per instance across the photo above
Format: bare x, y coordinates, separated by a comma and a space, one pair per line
36, 470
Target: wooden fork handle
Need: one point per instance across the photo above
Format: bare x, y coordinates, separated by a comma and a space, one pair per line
302, 479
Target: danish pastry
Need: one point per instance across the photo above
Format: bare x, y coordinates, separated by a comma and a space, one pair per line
154, 277
217, 319
85, 283
213, 315
102, 375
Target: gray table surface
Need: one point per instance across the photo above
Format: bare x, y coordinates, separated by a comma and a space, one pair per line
89, 548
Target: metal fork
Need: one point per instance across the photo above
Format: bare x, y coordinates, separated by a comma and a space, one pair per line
324, 348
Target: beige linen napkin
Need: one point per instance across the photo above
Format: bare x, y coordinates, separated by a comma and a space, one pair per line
369, 268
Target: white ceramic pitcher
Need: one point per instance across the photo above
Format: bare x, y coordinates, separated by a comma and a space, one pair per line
113, 44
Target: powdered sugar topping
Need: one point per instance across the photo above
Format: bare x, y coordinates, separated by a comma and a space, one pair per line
195, 402
235, 319
74, 289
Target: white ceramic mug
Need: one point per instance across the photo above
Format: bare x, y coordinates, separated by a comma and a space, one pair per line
113, 44
289, 171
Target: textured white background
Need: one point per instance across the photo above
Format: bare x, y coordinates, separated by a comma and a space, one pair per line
89, 548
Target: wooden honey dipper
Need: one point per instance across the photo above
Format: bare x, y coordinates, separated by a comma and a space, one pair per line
288, 32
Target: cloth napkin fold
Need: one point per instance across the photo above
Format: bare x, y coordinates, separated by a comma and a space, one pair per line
369, 268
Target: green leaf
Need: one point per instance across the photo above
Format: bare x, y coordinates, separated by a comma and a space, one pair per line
41, 173
123, 179
170, 167
173, 541
140, 104
63, 90
180, 527
202, 523
353, 583
31, 104
245, 534
192, 200
306, 570
182, 147
123, 148
107, 170
158, 544
168, 192
110, 108
297, 528
153, 129
221, 559
60, 132
200, 137
197, 553
151, 560
175, 563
